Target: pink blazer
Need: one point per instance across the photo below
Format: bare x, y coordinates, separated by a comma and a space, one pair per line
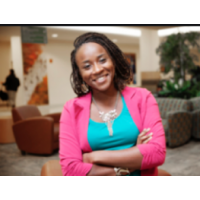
74, 125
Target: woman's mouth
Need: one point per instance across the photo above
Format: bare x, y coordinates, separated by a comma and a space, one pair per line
101, 79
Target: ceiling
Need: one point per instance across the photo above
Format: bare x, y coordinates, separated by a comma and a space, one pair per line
155, 27
69, 35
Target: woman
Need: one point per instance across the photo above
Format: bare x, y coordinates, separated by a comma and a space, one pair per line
109, 129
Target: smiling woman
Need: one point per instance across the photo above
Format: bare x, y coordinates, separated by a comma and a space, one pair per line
96, 67
109, 128
107, 52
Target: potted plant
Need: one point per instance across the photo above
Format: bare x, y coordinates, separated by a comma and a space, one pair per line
175, 55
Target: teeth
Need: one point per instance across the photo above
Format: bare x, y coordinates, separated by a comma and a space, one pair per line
101, 79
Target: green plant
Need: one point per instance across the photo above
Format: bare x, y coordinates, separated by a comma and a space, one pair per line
178, 90
175, 55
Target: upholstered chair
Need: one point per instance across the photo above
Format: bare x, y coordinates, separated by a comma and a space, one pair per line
33, 132
51, 168
195, 117
177, 120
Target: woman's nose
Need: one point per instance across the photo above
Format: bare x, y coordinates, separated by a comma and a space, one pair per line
97, 68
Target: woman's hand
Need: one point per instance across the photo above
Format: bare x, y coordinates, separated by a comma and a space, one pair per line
143, 138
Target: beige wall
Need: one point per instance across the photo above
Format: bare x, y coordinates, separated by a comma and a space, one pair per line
59, 72
5, 60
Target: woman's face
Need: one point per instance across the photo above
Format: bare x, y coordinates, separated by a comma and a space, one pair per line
95, 66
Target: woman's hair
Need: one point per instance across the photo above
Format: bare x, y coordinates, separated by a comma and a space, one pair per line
122, 68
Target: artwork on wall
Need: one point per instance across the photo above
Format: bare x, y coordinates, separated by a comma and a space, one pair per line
35, 74
131, 59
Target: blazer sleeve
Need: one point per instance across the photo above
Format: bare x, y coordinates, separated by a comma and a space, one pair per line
70, 152
155, 150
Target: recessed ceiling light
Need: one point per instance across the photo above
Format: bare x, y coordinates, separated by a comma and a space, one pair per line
114, 40
55, 35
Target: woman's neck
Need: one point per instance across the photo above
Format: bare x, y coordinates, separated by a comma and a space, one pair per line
106, 98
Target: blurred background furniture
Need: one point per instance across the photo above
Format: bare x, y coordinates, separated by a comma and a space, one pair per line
195, 117
150, 80
6, 132
51, 168
33, 132
177, 120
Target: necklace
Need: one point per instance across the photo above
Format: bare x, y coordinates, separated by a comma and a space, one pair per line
108, 117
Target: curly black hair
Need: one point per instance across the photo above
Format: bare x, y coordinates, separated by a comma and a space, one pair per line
122, 68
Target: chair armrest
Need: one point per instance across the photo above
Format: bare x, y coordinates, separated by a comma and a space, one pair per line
195, 111
55, 116
35, 135
51, 168
170, 113
179, 127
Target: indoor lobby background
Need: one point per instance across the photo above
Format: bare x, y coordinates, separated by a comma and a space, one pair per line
138, 41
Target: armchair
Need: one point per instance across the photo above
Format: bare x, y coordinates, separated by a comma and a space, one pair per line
195, 117
177, 120
33, 132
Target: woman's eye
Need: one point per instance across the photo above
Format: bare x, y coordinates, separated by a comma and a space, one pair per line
86, 66
102, 60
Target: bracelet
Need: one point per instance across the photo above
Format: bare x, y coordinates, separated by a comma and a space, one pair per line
119, 171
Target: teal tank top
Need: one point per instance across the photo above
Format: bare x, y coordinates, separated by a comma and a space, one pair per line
125, 133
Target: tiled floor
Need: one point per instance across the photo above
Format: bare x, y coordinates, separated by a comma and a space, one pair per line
12, 163
181, 161
184, 160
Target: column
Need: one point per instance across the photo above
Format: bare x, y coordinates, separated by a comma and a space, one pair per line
149, 41
17, 65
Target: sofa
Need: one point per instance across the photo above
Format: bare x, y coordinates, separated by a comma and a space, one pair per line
176, 117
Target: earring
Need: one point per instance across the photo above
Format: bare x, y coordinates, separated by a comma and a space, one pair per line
84, 88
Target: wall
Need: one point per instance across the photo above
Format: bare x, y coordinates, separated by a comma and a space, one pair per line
5, 60
59, 72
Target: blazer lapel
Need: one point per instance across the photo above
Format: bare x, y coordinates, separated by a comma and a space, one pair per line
132, 104
82, 115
